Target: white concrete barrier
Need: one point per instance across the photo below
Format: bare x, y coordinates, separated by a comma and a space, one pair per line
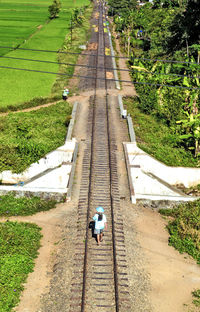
52, 160
172, 175
151, 180
51, 176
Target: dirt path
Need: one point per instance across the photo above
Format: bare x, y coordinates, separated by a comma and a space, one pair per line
29, 109
173, 276
160, 278
55, 229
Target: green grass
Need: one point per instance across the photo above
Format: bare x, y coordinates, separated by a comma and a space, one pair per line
23, 206
183, 227
19, 20
157, 139
26, 137
18, 86
80, 35
19, 244
196, 295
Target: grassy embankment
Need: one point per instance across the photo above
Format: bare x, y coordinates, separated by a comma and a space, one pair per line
23, 206
157, 139
26, 137
18, 87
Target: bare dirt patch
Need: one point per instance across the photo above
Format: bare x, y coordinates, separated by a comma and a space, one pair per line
92, 46
173, 276
109, 75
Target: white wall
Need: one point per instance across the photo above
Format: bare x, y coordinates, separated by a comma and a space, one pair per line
172, 175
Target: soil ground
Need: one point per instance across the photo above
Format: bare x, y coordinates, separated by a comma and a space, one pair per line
160, 278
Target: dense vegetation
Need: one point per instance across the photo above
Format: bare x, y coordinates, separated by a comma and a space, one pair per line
156, 138
26, 137
165, 30
23, 206
19, 243
184, 228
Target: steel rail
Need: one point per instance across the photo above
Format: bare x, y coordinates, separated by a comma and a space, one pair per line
85, 273
112, 208
91, 283
89, 194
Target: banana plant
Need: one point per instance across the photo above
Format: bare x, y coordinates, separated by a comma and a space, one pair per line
191, 127
140, 70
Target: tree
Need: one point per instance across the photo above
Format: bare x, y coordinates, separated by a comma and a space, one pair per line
166, 3
117, 7
184, 30
54, 9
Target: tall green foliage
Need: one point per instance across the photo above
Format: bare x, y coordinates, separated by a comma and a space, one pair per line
54, 9
150, 30
184, 228
184, 30
118, 7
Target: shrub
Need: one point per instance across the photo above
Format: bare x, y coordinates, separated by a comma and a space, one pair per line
184, 228
196, 294
158, 139
23, 206
54, 9
29, 136
148, 98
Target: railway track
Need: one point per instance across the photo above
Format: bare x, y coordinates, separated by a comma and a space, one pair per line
100, 279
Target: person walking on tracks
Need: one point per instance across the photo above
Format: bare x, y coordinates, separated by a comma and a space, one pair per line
65, 93
100, 224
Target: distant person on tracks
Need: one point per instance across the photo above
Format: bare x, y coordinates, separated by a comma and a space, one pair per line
65, 93
100, 224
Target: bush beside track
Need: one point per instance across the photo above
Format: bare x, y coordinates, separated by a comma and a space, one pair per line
157, 139
27, 137
23, 206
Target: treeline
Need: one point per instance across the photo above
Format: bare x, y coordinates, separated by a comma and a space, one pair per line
164, 30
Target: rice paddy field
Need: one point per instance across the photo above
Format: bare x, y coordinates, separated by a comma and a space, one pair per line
25, 24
